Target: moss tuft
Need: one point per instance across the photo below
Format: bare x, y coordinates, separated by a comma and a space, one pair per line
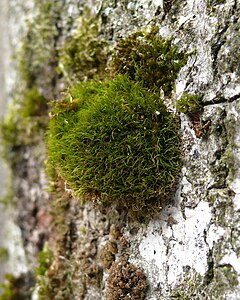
146, 57
17, 288
118, 143
190, 104
126, 281
37, 57
57, 281
107, 254
4, 254
24, 123
34, 104
84, 54
45, 259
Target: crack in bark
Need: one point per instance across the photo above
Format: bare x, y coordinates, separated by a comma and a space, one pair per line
210, 272
209, 275
221, 100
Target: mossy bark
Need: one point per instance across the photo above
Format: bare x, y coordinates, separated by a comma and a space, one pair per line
191, 249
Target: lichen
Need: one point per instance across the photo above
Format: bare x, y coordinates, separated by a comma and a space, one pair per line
223, 280
225, 164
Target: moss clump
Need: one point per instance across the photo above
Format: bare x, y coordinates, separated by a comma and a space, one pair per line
33, 104
45, 259
84, 54
23, 124
146, 57
37, 57
107, 254
126, 281
57, 281
117, 142
190, 104
55, 272
17, 288
3, 254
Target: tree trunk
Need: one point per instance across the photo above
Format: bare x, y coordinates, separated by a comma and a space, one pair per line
191, 249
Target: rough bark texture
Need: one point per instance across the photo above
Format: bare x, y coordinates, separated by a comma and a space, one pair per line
191, 251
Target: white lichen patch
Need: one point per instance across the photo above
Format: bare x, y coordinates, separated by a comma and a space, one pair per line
231, 259
215, 233
174, 244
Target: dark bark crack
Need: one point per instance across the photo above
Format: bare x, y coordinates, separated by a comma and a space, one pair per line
221, 100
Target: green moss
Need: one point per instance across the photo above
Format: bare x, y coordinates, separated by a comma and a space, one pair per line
45, 259
84, 54
33, 104
144, 56
53, 276
190, 104
212, 3
117, 142
37, 56
23, 124
3, 254
36, 61
57, 283
16, 288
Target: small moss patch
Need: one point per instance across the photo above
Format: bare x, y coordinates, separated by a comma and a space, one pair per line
190, 104
45, 259
37, 58
107, 254
24, 123
144, 56
17, 287
118, 143
126, 281
84, 54
3, 254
